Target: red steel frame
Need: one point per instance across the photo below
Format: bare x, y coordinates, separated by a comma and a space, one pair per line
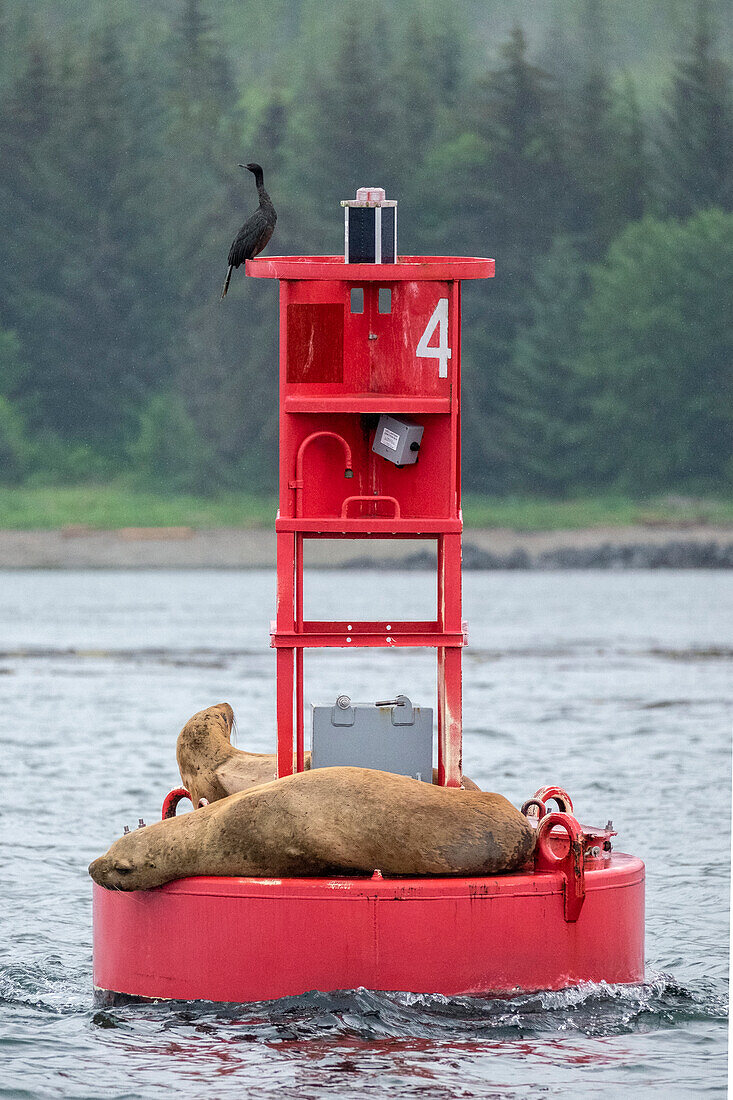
338, 367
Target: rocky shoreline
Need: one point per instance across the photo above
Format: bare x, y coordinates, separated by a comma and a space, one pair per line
695, 546
675, 554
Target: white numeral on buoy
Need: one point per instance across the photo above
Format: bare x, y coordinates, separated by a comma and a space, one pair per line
442, 353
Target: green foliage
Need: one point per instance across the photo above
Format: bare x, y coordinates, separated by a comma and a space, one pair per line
113, 505
168, 453
658, 348
12, 367
545, 398
83, 286
631, 162
56, 461
15, 449
340, 128
514, 112
510, 130
697, 160
597, 198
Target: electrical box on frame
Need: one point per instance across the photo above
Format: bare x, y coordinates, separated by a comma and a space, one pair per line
391, 736
397, 440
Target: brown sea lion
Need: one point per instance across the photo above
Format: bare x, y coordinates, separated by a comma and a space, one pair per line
324, 822
212, 768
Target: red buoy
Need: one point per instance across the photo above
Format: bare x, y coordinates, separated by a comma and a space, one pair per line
370, 448
576, 915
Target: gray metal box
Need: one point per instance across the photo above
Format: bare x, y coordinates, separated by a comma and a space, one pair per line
392, 736
397, 440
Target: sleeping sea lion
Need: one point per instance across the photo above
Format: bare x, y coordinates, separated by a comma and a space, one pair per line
324, 822
212, 768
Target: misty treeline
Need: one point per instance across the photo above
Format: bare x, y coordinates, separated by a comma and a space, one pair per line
600, 358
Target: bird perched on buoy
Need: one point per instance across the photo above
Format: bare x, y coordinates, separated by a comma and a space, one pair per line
256, 231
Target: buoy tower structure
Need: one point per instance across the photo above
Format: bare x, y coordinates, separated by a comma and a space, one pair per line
370, 448
369, 351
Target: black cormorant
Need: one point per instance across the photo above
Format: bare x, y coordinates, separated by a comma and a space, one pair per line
256, 231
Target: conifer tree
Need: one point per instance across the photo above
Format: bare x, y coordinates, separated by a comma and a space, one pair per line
4, 46
416, 92
516, 115
519, 208
32, 237
217, 375
202, 81
445, 60
697, 149
342, 130
95, 310
632, 160
656, 351
556, 49
120, 195
593, 142
593, 43
544, 394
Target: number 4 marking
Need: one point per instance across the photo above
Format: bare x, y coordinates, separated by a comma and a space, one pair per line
442, 353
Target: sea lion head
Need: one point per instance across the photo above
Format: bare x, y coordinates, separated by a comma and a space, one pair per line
134, 862
221, 716
207, 724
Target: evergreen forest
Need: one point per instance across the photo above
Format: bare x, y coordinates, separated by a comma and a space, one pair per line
586, 145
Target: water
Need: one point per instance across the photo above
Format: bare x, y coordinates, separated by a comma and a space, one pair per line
616, 686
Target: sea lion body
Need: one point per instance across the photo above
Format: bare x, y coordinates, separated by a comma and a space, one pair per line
323, 822
212, 768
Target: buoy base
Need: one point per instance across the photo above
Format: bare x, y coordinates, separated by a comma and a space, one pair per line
252, 939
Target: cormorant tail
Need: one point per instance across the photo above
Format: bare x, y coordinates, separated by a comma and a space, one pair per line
226, 282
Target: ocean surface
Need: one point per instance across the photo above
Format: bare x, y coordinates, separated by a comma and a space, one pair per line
617, 686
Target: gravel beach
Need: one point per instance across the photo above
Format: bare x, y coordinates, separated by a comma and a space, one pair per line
639, 547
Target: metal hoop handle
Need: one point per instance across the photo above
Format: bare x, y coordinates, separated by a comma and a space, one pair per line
559, 795
570, 865
171, 800
545, 827
365, 499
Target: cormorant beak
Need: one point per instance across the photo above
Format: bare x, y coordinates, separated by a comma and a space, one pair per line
242, 165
